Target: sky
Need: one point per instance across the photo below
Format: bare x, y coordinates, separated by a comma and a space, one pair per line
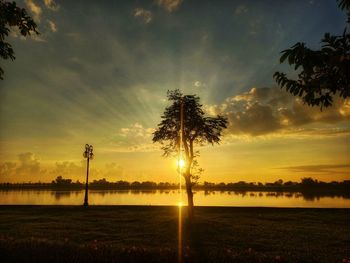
99, 71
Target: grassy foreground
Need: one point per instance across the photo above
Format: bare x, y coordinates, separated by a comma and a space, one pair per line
150, 234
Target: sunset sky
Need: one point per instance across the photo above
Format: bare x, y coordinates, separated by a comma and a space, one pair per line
99, 71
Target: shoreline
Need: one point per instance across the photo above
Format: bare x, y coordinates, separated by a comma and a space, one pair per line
172, 206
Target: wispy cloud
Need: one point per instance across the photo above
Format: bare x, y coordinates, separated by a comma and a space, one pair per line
144, 15
67, 168
35, 9
26, 165
241, 9
112, 171
52, 25
37, 38
198, 84
136, 131
320, 168
70, 169
169, 5
7, 169
52, 5
135, 138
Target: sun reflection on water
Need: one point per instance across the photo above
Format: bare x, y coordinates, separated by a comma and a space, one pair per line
180, 233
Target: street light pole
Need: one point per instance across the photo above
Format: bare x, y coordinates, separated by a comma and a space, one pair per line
89, 155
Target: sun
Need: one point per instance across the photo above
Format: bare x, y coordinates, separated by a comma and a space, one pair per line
180, 163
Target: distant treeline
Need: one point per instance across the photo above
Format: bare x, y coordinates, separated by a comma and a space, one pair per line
306, 184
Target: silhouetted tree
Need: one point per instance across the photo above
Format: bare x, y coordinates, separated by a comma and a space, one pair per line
197, 130
100, 182
122, 184
323, 73
148, 184
135, 184
279, 182
60, 181
13, 16
290, 183
308, 182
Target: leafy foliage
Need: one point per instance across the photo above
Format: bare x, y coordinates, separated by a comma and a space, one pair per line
322, 73
198, 129
13, 16
345, 4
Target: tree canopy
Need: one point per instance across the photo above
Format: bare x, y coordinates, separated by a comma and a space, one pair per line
198, 128
323, 73
13, 16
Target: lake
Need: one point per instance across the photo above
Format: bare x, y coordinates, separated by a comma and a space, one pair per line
170, 197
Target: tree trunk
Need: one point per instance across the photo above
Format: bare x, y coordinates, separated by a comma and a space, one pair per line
189, 197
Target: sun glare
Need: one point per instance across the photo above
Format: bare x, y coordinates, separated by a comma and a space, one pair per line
180, 163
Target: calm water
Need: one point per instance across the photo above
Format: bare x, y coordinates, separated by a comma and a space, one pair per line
170, 197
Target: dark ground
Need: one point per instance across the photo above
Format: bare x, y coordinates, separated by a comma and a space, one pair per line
150, 234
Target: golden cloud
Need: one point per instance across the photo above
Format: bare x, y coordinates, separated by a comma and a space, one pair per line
144, 15
169, 5
34, 8
52, 25
52, 5
262, 111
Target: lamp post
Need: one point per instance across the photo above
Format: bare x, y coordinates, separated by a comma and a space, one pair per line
89, 155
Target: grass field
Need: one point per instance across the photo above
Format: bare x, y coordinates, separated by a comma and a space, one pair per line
150, 234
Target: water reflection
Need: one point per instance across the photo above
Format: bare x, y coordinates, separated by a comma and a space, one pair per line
171, 197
